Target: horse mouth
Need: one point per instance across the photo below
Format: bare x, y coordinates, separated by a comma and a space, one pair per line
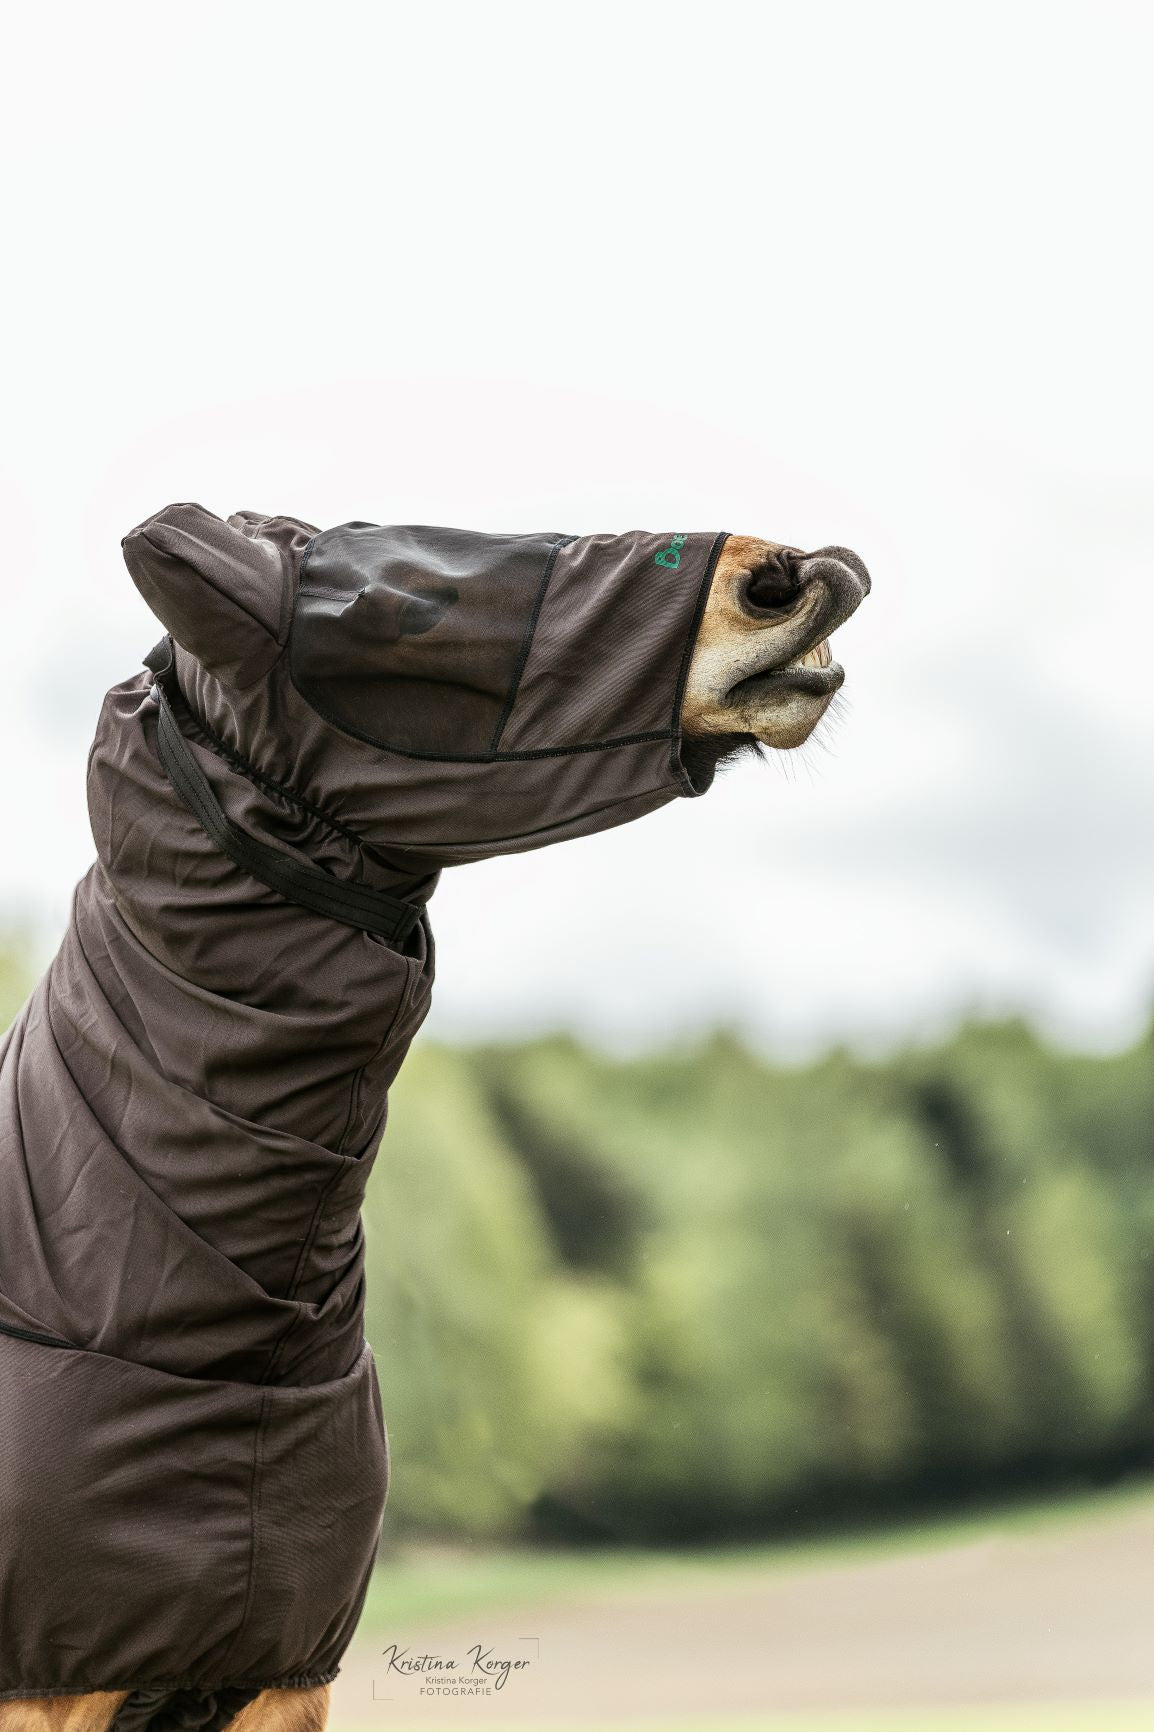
814, 673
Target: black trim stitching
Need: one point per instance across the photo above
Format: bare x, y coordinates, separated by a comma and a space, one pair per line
39, 1340
527, 640
475, 757
675, 763
269, 784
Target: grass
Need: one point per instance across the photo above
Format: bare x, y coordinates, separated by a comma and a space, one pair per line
1086, 1717
426, 1583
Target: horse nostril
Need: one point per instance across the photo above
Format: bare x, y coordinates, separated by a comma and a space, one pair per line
776, 583
847, 557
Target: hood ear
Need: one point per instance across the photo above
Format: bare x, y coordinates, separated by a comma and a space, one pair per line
224, 592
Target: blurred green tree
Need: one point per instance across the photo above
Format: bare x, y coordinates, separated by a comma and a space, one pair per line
697, 1293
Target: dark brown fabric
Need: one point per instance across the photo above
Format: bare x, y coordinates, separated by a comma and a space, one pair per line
181, 1710
193, 1460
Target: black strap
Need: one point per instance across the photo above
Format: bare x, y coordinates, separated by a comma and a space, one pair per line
353, 904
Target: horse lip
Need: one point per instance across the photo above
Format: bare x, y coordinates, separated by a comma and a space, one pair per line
818, 682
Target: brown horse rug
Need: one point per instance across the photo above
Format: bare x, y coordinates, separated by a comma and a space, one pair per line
193, 1461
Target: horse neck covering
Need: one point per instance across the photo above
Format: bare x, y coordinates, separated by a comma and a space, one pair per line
193, 1461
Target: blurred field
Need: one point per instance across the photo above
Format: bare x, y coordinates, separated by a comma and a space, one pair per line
425, 1583
1031, 1618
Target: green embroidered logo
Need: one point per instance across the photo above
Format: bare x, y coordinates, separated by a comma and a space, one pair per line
671, 555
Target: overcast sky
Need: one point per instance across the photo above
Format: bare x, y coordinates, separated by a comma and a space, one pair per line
877, 275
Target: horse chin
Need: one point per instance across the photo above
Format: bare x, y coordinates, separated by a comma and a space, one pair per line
705, 754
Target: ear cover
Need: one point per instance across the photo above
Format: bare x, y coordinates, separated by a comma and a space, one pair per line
224, 594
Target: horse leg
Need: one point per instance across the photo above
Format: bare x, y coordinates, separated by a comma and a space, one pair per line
281, 1711
271, 1711
90, 1713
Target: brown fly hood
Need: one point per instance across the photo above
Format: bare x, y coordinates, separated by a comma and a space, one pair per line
448, 695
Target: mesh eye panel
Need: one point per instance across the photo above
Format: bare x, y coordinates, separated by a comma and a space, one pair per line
414, 638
